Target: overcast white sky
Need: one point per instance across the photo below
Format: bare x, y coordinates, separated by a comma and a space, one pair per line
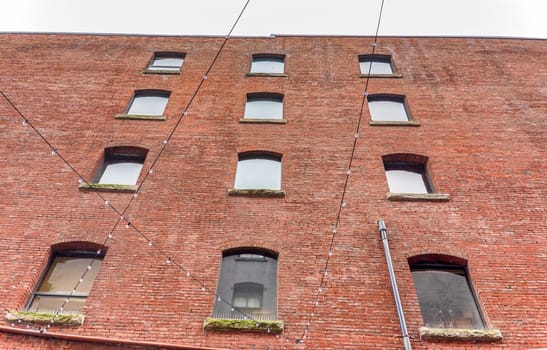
504, 18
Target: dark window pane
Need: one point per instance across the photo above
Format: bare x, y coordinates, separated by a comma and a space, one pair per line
445, 298
250, 284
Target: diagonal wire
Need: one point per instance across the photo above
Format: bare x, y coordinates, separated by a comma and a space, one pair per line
344, 190
121, 214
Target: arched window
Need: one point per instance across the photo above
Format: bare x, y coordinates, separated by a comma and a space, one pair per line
247, 285
258, 171
406, 173
268, 64
444, 292
69, 274
264, 106
121, 165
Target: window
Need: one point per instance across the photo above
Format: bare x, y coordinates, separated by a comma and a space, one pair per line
379, 65
406, 173
166, 62
121, 166
445, 295
264, 106
388, 108
258, 171
148, 102
248, 280
248, 295
268, 64
61, 277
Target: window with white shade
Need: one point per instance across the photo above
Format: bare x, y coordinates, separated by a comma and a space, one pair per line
388, 108
166, 62
377, 65
407, 173
247, 285
62, 280
258, 171
121, 166
148, 103
268, 64
264, 106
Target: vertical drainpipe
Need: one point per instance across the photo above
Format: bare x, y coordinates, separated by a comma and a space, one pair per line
400, 313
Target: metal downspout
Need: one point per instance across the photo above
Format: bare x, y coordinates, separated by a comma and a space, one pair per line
400, 313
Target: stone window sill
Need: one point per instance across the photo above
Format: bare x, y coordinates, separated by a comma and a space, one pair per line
108, 187
278, 75
418, 197
263, 121
224, 324
237, 192
161, 71
45, 317
396, 75
394, 123
472, 335
140, 117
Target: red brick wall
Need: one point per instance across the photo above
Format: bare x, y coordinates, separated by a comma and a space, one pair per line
481, 105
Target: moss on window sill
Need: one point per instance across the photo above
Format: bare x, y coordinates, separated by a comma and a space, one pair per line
482, 335
278, 75
263, 121
140, 117
161, 71
395, 75
45, 317
237, 192
224, 324
394, 123
107, 187
417, 197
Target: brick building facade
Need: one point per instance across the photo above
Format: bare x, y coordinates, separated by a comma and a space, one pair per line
473, 135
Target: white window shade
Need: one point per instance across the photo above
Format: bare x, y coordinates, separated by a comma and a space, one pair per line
272, 65
387, 110
378, 67
258, 173
264, 108
121, 173
148, 104
166, 63
404, 181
